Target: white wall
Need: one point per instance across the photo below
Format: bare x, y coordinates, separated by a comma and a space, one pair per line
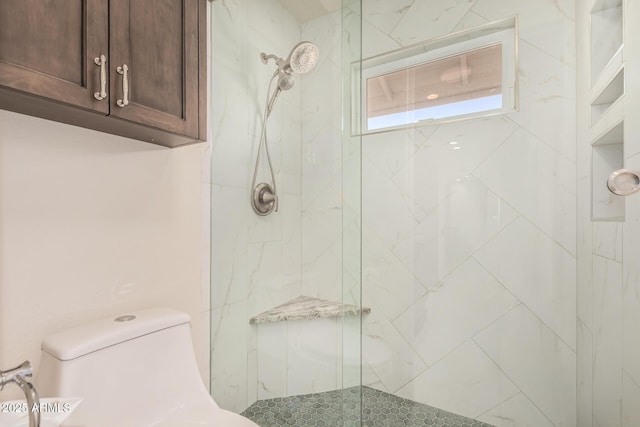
469, 255
93, 225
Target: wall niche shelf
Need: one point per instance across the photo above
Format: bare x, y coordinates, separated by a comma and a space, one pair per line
607, 95
606, 35
607, 157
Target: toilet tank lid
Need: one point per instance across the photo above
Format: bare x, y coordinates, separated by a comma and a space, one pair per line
80, 340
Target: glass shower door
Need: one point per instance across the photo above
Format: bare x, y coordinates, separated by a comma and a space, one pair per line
285, 286
469, 236
351, 357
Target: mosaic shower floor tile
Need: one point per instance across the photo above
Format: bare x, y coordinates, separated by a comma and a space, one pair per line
340, 408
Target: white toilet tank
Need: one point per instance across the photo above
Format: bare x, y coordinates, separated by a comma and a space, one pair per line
132, 370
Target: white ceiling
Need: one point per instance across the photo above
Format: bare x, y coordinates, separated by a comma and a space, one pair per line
306, 10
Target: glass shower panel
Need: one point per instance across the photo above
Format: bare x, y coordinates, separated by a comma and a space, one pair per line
285, 286
351, 357
469, 237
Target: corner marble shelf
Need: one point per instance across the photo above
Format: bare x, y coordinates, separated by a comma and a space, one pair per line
304, 307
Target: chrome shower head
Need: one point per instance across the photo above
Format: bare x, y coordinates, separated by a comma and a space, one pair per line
303, 58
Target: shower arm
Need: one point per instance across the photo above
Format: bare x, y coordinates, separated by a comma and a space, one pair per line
281, 63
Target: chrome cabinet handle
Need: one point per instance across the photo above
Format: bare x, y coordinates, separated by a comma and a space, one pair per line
624, 182
101, 62
124, 71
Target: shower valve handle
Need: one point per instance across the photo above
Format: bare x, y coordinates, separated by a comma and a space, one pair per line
264, 199
267, 197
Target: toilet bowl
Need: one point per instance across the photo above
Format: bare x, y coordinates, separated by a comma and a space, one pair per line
135, 370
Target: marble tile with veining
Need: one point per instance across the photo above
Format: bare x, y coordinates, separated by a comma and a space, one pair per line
386, 281
388, 353
538, 182
536, 360
547, 99
464, 303
607, 240
459, 226
547, 24
388, 212
448, 156
584, 372
465, 382
546, 286
429, 19
384, 14
607, 341
516, 412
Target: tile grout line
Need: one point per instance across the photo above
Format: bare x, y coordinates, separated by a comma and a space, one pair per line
514, 383
505, 200
544, 143
553, 331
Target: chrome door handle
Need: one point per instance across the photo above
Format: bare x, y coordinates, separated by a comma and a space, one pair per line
101, 61
124, 71
624, 182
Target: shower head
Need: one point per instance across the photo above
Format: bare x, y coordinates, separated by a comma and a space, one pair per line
303, 58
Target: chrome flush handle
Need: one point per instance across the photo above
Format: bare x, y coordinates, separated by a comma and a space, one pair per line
101, 62
124, 71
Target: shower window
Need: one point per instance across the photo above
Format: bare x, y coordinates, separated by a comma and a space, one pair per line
463, 75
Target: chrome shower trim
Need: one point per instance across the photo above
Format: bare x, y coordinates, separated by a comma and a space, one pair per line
302, 59
624, 182
264, 199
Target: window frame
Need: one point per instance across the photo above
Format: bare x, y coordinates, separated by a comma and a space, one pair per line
504, 32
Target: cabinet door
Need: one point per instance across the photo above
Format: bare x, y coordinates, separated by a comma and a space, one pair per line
47, 49
154, 53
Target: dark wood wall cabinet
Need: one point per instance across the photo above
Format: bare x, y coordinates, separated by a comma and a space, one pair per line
135, 68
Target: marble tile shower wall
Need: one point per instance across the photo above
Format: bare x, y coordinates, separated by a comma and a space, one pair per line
256, 261
608, 268
322, 161
469, 255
